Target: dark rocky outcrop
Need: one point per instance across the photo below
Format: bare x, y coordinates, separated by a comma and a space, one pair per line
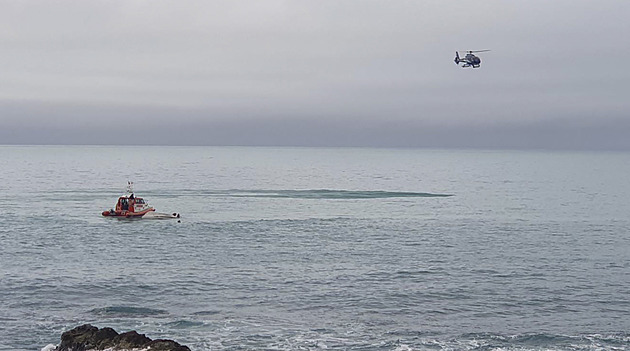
88, 337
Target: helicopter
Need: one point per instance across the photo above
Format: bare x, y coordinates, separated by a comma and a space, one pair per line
469, 60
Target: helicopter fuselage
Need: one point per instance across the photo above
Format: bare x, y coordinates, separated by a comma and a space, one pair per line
472, 60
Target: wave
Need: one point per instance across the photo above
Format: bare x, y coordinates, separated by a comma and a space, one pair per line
471, 342
183, 324
538, 341
226, 334
327, 194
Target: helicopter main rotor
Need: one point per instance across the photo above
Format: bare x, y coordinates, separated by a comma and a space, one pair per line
474, 51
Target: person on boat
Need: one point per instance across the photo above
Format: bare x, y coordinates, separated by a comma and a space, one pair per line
125, 205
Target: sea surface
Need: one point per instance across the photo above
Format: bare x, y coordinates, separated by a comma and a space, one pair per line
318, 248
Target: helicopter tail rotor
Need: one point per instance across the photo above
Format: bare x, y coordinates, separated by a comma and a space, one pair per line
457, 58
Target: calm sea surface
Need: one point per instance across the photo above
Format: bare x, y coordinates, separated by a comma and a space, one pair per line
315, 249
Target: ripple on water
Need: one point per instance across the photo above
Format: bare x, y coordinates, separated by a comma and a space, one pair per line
127, 311
183, 324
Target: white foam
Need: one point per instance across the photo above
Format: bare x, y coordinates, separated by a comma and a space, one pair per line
158, 215
51, 347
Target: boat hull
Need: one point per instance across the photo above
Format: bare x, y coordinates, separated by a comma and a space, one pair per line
127, 214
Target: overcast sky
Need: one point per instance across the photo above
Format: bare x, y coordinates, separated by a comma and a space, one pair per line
316, 73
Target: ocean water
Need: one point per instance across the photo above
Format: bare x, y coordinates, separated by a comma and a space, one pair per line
319, 249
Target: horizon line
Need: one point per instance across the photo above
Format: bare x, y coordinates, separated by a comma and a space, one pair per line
435, 148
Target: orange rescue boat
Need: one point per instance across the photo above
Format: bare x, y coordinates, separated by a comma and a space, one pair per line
129, 206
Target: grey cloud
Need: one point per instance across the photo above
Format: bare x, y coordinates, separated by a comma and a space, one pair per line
352, 72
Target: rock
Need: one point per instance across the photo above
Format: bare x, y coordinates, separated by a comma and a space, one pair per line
88, 337
104, 338
166, 345
78, 339
131, 340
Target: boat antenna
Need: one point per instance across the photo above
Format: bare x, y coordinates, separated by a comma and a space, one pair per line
130, 187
